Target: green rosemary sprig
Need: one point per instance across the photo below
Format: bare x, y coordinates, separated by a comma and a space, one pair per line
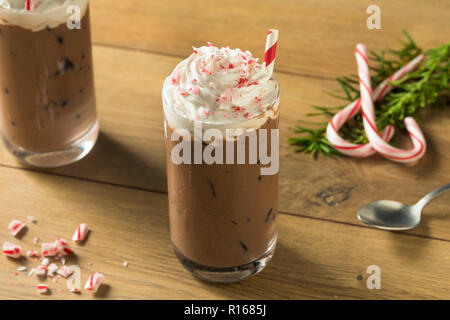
414, 92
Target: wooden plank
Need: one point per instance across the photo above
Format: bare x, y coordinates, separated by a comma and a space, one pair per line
316, 38
314, 259
131, 147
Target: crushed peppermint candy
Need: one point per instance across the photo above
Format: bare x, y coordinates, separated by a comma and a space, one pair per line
11, 250
58, 247
15, 227
94, 282
51, 270
64, 272
33, 254
42, 288
63, 247
57, 250
81, 233
49, 249
31, 219
40, 271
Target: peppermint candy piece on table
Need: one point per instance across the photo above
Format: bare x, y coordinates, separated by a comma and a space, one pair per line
33, 254
52, 269
15, 227
81, 233
39, 271
94, 282
73, 283
58, 247
64, 272
75, 290
31, 219
42, 288
12, 250
49, 249
63, 247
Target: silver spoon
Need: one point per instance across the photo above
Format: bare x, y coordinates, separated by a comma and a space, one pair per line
395, 216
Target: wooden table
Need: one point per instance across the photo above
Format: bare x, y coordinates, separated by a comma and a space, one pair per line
120, 188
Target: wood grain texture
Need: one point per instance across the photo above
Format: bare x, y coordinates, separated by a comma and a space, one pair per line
314, 259
130, 151
119, 189
316, 37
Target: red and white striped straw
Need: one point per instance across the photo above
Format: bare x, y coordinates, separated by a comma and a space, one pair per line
389, 152
30, 5
364, 150
271, 49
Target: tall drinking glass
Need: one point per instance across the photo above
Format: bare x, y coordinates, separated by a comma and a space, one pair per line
47, 98
223, 213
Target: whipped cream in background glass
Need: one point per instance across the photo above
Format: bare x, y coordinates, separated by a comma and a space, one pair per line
221, 87
46, 14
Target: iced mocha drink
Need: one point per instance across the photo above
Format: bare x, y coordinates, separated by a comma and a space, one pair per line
47, 99
223, 211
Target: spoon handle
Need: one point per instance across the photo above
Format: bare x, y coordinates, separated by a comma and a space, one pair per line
425, 200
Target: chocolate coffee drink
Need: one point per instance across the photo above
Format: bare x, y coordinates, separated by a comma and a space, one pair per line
222, 215
48, 113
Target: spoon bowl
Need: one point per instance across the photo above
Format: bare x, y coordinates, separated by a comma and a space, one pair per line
396, 216
389, 215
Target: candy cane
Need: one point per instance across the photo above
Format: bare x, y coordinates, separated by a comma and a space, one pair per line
389, 152
364, 150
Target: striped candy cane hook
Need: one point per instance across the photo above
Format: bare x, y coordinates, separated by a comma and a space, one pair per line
377, 142
364, 150
345, 147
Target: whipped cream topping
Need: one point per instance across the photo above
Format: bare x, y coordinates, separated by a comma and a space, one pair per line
220, 86
46, 13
